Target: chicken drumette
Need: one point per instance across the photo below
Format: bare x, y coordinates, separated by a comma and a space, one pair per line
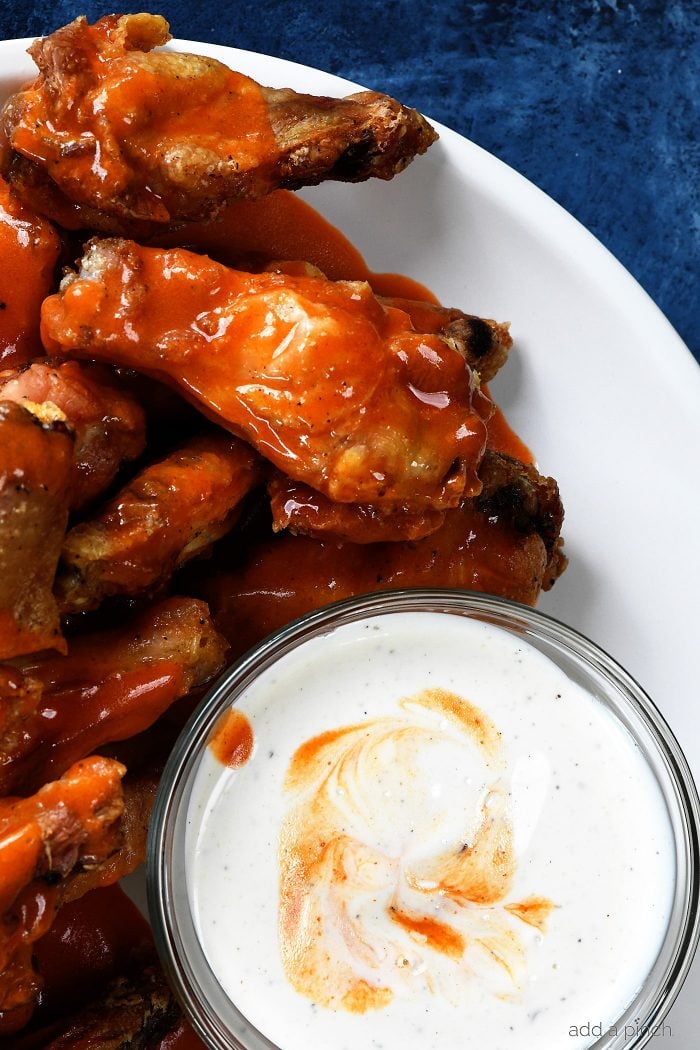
335, 388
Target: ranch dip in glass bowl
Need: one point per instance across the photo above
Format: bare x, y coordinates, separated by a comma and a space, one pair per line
421, 819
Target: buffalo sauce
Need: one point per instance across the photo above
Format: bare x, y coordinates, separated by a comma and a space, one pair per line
332, 387
232, 740
29, 249
502, 438
283, 226
93, 940
108, 85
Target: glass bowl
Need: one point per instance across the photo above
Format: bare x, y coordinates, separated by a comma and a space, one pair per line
215, 1016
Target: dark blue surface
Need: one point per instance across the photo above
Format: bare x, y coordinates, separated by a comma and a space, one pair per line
595, 101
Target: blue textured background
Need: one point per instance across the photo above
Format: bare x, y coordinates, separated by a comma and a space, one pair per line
595, 101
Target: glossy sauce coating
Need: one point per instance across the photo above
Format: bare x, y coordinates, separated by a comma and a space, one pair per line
96, 136
328, 384
108, 424
113, 685
282, 578
43, 838
92, 940
304, 511
170, 512
29, 248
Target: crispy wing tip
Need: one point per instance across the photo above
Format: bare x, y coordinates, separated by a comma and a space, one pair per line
484, 343
131, 32
530, 501
366, 135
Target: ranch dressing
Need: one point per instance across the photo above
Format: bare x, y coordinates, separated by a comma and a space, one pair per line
417, 831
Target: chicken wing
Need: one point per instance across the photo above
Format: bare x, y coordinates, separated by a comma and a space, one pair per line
108, 423
102, 986
166, 515
113, 133
139, 796
305, 512
335, 389
133, 1013
29, 249
35, 467
65, 826
112, 685
505, 542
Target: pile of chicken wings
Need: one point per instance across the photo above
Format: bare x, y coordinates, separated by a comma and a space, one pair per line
192, 455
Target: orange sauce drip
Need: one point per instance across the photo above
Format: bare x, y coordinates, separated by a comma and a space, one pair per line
232, 740
534, 911
502, 438
283, 226
438, 935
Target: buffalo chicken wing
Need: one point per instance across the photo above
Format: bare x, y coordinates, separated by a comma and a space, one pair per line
67, 825
170, 512
112, 685
504, 542
107, 421
113, 133
331, 386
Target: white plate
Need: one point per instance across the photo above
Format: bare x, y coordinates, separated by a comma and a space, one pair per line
599, 385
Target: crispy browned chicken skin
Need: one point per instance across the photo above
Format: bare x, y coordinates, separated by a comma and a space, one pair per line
170, 512
135, 1013
113, 133
36, 461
